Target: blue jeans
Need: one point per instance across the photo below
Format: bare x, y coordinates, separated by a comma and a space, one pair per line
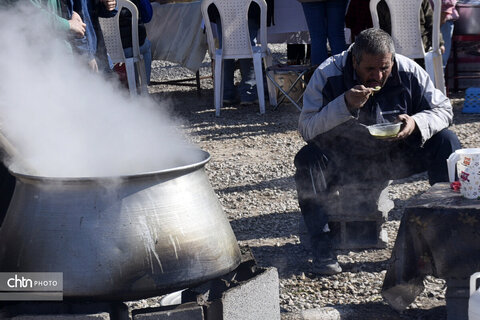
247, 87
325, 19
147, 57
447, 31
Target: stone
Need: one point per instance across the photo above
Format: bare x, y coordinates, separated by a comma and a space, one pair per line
185, 311
325, 313
257, 298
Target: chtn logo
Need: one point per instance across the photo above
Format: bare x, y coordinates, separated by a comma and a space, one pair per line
17, 282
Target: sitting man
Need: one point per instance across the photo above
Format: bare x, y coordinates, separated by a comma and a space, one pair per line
340, 100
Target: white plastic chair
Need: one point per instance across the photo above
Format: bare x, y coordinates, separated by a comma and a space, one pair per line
113, 43
406, 34
236, 45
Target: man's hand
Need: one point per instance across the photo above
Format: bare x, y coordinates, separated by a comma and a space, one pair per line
93, 65
408, 127
109, 4
357, 96
76, 25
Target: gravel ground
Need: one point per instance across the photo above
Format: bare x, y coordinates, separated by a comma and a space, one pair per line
251, 170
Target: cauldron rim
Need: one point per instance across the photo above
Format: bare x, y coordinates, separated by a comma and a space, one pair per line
175, 170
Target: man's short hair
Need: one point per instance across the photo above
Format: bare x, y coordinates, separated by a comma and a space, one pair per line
372, 41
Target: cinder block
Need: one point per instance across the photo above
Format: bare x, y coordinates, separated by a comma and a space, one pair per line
257, 298
358, 233
325, 313
97, 316
356, 220
185, 311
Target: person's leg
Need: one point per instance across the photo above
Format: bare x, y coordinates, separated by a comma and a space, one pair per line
247, 87
336, 25
145, 50
435, 153
295, 53
447, 32
229, 90
315, 15
147, 57
312, 191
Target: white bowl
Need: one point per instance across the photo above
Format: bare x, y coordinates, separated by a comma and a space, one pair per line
384, 130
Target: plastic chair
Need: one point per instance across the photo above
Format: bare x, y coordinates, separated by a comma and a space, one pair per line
406, 34
236, 45
113, 43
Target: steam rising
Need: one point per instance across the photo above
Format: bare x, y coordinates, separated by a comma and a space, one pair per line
66, 121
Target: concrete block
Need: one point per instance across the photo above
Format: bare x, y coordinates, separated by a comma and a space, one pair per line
326, 313
185, 311
352, 233
257, 298
358, 233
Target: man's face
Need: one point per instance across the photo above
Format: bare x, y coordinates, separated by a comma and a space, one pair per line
373, 70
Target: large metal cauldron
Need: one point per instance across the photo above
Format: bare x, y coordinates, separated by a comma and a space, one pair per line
143, 235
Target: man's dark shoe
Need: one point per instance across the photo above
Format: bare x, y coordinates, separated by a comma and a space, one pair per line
327, 266
230, 102
248, 99
248, 102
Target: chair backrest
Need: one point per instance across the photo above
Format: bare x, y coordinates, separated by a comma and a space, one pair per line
111, 32
235, 33
405, 21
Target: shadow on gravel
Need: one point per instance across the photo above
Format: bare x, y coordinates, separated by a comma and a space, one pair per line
285, 183
458, 116
273, 225
289, 259
462, 118
369, 266
234, 122
382, 311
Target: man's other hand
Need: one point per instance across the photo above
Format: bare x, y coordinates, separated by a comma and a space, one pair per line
92, 64
109, 4
408, 127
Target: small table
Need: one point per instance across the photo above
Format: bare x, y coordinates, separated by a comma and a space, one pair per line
439, 235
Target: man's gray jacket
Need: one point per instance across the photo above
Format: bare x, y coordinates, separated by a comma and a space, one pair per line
408, 90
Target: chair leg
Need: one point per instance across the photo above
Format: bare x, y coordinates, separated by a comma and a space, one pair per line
257, 66
272, 93
130, 68
142, 74
218, 86
197, 81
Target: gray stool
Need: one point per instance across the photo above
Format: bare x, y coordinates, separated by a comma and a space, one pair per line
356, 222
